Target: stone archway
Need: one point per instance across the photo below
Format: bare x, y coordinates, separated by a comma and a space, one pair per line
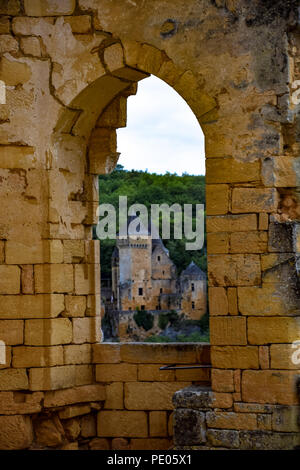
79, 62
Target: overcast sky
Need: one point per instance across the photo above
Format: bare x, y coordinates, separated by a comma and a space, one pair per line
162, 133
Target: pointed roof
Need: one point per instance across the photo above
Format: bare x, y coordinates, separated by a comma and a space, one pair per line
194, 271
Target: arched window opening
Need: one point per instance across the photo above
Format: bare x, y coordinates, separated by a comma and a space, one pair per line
162, 166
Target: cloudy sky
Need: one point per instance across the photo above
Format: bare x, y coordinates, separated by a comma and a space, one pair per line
162, 133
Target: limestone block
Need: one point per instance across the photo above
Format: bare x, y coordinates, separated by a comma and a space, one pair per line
248, 242
218, 304
53, 278
99, 444
229, 170
84, 374
228, 331
86, 393
79, 24
10, 279
49, 7
92, 251
27, 279
7, 358
16, 403
151, 396
151, 373
13, 379
78, 354
8, 44
222, 380
263, 223
49, 432
231, 223
265, 300
87, 279
232, 301
75, 410
149, 59
189, 427
159, 353
122, 424
75, 306
120, 444
217, 199
51, 378
93, 305
48, 332
4, 24
280, 171
13, 73
10, 7
88, 426
113, 57
73, 251
15, 432
114, 396
42, 251
221, 400
230, 420
264, 357
158, 423
31, 46
267, 386
106, 353
223, 438
31, 306
285, 418
282, 356
116, 373
264, 330
86, 330
218, 242
25, 356
234, 270
235, 357
254, 200
11, 331
151, 444
114, 115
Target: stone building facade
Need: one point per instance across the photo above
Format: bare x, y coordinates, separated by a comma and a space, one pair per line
67, 68
144, 277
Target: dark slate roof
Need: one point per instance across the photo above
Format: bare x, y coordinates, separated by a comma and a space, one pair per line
194, 270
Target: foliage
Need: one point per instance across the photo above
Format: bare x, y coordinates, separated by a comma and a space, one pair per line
144, 319
150, 188
166, 318
195, 337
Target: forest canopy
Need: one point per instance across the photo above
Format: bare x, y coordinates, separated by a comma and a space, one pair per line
151, 188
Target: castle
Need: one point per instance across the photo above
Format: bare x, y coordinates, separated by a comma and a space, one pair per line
144, 277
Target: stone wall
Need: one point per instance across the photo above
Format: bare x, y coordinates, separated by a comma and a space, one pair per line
68, 68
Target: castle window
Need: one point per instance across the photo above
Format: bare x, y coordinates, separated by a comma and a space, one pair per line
158, 258
193, 305
193, 287
161, 291
140, 291
142, 307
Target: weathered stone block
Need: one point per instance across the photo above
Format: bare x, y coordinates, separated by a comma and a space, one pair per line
106, 353
231, 420
87, 279
151, 372
79, 24
31, 306
286, 418
75, 306
75, 410
116, 373
151, 396
86, 330
48, 332
31, 46
248, 242
160, 353
77, 354
15, 432
222, 380
49, 7
231, 223
11, 331
218, 303
158, 423
10, 279
228, 331
25, 356
13, 379
56, 278
284, 356
235, 357
273, 330
52, 378
233, 270
49, 432
122, 424
218, 242
87, 393
189, 427
229, 170
114, 396
223, 438
267, 386
88, 426
217, 199
16, 403
254, 200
